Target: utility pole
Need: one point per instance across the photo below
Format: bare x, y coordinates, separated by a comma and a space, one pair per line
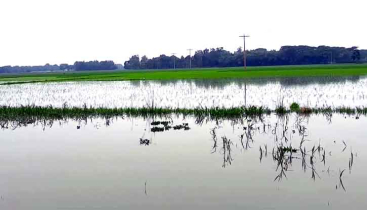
244, 50
174, 60
190, 56
331, 57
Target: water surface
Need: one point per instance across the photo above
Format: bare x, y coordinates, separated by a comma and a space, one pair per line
213, 165
307, 91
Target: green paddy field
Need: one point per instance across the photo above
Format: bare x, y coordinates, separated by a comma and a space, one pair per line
213, 73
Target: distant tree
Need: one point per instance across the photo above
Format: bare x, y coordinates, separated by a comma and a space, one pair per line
217, 57
356, 56
143, 62
23, 69
133, 62
287, 55
94, 65
66, 66
363, 54
119, 66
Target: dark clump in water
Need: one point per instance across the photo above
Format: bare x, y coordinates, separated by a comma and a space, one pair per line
184, 126
145, 142
164, 123
157, 129
288, 149
167, 127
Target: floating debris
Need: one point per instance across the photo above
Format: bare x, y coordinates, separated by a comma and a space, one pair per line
145, 142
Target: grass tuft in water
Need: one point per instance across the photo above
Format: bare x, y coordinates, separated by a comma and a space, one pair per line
30, 114
280, 110
294, 107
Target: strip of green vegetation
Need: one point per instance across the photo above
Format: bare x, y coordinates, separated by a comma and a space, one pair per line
39, 113
30, 114
218, 73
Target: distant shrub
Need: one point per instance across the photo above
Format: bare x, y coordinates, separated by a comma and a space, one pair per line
294, 107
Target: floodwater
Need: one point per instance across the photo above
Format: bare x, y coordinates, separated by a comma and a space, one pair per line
309, 91
248, 164
272, 162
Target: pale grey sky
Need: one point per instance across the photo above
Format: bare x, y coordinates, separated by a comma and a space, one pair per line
36, 32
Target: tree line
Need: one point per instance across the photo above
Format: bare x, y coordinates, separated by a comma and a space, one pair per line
77, 66
218, 57
94, 65
215, 57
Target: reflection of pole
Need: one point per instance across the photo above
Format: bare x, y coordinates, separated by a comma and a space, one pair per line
244, 51
190, 56
245, 95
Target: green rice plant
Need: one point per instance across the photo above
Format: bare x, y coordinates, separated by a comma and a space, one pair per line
346, 110
361, 110
280, 110
30, 114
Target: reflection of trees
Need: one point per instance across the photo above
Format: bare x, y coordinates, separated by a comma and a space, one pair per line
297, 81
285, 82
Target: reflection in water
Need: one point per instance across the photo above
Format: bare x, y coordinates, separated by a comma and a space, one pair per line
284, 154
307, 91
215, 140
270, 151
341, 180
226, 151
286, 82
14, 124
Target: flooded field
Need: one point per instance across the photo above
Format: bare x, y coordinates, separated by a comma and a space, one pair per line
272, 162
268, 161
311, 92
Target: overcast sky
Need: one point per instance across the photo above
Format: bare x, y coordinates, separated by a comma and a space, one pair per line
36, 32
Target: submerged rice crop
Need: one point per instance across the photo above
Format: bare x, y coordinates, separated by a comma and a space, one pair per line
190, 94
29, 114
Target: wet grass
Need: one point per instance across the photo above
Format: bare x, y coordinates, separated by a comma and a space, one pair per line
213, 73
281, 110
30, 114
39, 113
339, 110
